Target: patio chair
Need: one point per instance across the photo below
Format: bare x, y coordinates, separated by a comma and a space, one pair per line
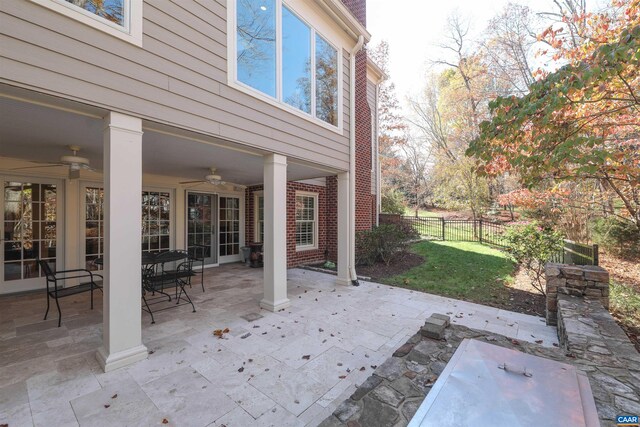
162, 273
87, 283
198, 253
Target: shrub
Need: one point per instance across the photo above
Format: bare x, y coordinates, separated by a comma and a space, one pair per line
383, 243
532, 246
392, 202
616, 236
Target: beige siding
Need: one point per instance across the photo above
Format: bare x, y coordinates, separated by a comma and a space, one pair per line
179, 77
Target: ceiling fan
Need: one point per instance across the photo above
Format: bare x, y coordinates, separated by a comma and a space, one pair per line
211, 178
74, 162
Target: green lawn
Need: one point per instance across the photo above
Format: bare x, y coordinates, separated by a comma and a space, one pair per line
463, 270
412, 212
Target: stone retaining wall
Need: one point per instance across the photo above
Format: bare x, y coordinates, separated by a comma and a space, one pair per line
577, 280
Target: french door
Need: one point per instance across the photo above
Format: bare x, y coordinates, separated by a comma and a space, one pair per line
202, 225
31, 224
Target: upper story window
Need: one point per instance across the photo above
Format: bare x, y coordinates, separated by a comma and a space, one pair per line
120, 18
280, 55
111, 10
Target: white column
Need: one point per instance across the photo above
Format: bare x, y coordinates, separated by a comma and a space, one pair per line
344, 213
275, 233
122, 331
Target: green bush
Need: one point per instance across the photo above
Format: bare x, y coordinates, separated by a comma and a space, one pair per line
392, 202
383, 243
532, 246
616, 236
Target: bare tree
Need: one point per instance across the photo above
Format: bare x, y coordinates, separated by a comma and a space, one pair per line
415, 169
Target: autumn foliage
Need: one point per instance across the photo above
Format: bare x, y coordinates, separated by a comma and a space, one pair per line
581, 122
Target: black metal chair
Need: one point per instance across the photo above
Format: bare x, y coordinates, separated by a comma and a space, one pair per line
87, 283
158, 272
199, 253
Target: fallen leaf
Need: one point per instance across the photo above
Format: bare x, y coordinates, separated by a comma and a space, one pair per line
515, 342
374, 366
306, 357
342, 377
114, 396
250, 360
339, 364
151, 351
264, 333
296, 401
226, 330
255, 326
538, 341
320, 330
165, 421
241, 369
363, 368
247, 335
107, 406
348, 369
555, 344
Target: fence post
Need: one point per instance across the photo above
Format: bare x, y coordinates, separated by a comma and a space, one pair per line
596, 257
442, 219
480, 231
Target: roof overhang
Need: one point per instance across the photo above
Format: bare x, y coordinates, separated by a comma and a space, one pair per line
374, 72
343, 16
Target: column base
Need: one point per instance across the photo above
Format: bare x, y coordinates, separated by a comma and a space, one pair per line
342, 282
109, 362
275, 306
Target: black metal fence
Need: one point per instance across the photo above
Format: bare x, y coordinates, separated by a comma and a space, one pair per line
460, 230
492, 233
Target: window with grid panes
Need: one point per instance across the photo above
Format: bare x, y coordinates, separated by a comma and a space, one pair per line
93, 226
306, 220
229, 226
30, 228
259, 232
156, 221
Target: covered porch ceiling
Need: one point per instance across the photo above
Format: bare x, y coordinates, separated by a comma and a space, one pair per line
39, 128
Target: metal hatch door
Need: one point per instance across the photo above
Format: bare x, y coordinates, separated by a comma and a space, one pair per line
487, 385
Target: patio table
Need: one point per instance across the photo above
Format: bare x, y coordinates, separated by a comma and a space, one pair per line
172, 268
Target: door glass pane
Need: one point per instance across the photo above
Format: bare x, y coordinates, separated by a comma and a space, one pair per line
256, 40
201, 226
296, 62
94, 226
229, 237
156, 221
29, 228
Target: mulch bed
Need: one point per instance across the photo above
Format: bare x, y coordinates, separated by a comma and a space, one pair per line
404, 262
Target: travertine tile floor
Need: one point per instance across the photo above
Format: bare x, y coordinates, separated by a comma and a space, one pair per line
290, 368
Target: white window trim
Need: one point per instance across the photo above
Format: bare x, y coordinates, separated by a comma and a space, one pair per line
300, 248
232, 75
130, 32
256, 220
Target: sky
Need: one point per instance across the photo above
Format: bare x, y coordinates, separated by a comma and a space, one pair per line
413, 29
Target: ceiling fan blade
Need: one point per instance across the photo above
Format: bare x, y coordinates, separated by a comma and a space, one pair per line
89, 168
44, 165
191, 182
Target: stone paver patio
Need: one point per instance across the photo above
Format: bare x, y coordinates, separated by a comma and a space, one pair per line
291, 368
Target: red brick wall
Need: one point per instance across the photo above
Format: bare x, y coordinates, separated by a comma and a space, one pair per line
332, 218
365, 202
294, 257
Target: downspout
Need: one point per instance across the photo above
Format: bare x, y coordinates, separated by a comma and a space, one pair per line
352, 161
378, 171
